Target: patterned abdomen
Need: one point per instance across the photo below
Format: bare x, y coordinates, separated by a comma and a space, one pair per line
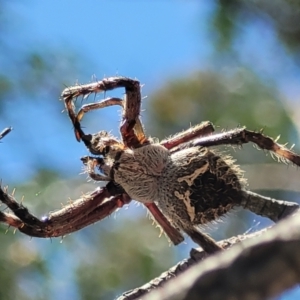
201, 187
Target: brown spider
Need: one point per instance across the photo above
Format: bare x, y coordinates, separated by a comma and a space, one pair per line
182, 180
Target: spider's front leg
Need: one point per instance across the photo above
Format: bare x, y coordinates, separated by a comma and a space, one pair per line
80, 213
131, 129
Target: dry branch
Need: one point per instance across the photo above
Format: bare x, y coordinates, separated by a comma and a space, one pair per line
258, 268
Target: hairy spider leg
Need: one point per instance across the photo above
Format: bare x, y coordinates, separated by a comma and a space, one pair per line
173, 234
241, 136
138, 128
74, 216
199, 130
272, 208
131, 128
76, 118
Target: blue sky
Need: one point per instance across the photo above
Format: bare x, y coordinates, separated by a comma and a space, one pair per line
136, 38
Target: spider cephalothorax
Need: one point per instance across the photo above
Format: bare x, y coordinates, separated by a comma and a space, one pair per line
182, 180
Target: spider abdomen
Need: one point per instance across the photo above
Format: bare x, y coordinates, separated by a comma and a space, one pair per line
198, 186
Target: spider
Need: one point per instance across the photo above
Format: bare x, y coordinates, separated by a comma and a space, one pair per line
183, 181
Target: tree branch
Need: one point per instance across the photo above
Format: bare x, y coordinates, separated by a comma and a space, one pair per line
257, 268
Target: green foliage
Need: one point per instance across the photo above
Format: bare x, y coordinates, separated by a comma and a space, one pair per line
224, 22
283, 15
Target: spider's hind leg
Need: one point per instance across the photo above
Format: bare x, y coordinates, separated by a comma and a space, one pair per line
267, 207
243, 136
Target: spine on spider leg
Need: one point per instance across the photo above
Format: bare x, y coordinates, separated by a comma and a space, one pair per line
268, 207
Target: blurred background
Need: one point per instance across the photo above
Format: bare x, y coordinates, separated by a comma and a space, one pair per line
231, 62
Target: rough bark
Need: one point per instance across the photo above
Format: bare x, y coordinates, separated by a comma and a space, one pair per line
263, 265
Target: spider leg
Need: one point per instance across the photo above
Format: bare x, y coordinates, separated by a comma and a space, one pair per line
102, 211
76, 118
274, 209
205, 241
138, 128
242, 136
72, 217
173, 234
131, 129
202, 129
